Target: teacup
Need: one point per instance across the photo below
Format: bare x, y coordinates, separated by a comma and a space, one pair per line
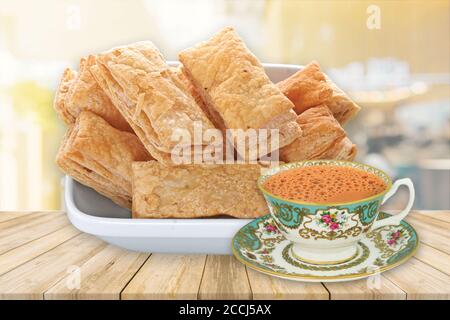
316, 243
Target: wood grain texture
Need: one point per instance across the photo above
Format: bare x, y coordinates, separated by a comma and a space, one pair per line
375, 287
32, 279
167, 276
435, 258
443, 215
432, 232
7, 215
224, 278
38, 249
103, 276
420, 280
15, 257
16, 232
266, 287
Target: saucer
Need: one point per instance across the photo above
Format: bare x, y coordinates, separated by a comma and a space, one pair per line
260, 246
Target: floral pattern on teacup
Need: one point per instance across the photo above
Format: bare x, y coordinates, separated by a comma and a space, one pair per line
330, 224
332, 219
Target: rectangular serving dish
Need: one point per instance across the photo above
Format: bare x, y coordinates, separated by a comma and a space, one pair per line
92, 213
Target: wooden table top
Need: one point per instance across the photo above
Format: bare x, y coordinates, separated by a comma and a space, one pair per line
42, 256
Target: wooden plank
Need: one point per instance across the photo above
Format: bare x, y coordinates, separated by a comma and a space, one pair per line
25, 212
420, 281
272, 288
32, 279
30, 250
103, 276
9, 215
167, 276
435, 258
432, 232
21, 219
443, 215
375, 287
16, 232
224, 278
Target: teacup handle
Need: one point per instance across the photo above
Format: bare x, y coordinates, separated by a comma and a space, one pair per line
395, 220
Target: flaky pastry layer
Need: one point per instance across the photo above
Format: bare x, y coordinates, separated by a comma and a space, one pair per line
100, 156
68, 78
150, 96
306, 88
311, 87
235, 88
343, 108
80, 92
322, 138
195, 191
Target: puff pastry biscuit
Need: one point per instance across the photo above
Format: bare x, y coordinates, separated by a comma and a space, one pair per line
322, 138
194, 191
342, 150
306, 88
311, 87
343, 108
150, 96
237, 92
100, 156
68, 78
79, 91
181, 73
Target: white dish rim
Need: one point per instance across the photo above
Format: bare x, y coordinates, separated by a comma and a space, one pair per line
106, 226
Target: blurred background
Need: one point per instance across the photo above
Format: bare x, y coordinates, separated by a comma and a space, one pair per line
392, 57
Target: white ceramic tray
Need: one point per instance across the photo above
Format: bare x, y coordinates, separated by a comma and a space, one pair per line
92, 213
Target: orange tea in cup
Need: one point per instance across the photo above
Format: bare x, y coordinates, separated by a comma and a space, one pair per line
325, 184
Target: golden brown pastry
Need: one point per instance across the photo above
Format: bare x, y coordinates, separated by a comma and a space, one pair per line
306, 88
311, 87
343, 108
68, 78
150, 96
100, 156
322, 138
195, 191
181, 73
235, 88
342, 150
80, 92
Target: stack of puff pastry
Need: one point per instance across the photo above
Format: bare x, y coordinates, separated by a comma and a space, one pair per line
123, 106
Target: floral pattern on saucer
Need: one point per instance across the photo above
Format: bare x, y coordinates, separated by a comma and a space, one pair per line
261, 246
395, 237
